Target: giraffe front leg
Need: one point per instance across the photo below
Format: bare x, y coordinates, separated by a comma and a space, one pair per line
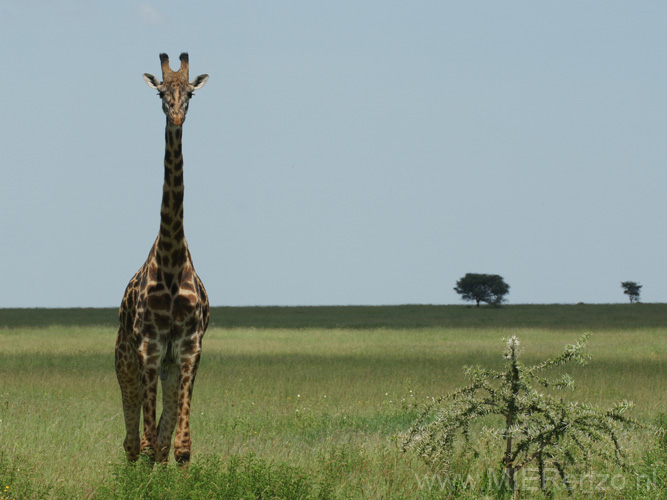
149, 377
149, 439
127, 372
182, 442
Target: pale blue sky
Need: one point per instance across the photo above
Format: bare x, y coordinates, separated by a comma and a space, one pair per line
341, 153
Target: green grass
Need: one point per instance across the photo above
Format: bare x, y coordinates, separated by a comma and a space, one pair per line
304, 398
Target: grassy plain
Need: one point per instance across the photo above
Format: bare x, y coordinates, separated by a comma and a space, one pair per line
325, 390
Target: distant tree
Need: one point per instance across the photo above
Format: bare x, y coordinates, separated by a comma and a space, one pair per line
489, 288
632, 290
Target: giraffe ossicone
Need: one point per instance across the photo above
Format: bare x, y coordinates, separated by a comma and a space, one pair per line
164, 312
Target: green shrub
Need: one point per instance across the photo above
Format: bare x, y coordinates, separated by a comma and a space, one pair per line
539, 430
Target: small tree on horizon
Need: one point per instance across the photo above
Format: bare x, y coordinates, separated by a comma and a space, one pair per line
489, 288
632, 289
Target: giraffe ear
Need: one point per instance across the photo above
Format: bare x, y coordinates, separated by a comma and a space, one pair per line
152, 82
199, 82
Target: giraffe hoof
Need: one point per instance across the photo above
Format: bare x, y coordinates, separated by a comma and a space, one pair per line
183, 458
162, 456
131, 449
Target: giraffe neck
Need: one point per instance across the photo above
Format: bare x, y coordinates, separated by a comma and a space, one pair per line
171, 245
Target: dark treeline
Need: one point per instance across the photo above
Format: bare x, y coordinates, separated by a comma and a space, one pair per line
553, 316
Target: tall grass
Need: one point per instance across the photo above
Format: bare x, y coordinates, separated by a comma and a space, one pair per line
318, 402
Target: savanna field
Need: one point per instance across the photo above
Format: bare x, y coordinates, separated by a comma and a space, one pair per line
314, 402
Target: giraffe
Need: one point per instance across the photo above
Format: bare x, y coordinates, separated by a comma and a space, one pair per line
164, 311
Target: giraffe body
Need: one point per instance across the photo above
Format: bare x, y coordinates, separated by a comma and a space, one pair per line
164, 311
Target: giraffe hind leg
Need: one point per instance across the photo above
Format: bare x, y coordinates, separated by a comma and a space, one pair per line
170, 380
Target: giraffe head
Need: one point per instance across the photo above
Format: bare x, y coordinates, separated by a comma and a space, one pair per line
175, 89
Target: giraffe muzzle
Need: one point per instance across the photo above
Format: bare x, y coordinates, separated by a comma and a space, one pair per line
177, 119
